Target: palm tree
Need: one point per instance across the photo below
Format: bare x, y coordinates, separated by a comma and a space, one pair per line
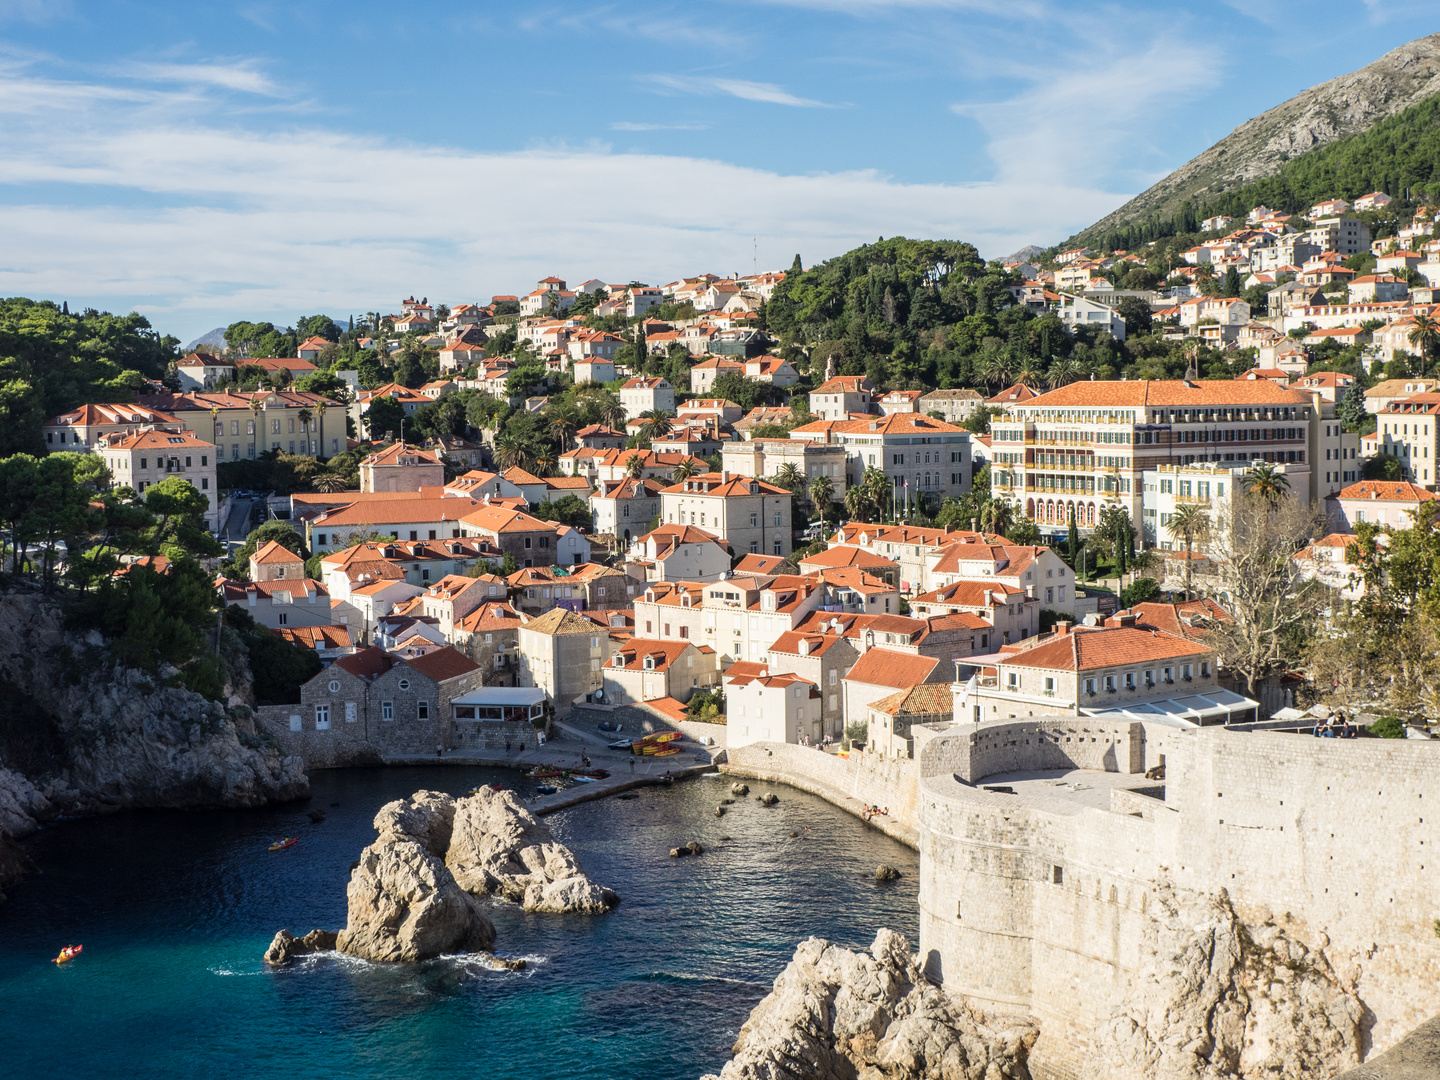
1425, 335
612, 413
858, 503
635, 465
1263, 480
994, 369
563, 422
822, 494
878, 487
329, 482
687, 468
789, 477
997, 516
1189, 523
256, 405
1027, 375
656, 425
545, 463
511, 451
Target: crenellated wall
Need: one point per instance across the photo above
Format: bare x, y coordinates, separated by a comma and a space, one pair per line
1027, 902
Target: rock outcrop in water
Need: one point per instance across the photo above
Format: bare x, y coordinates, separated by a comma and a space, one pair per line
1217, 998
403, 903
85, 735
286, 946
412, 895
835, 1014
498, 847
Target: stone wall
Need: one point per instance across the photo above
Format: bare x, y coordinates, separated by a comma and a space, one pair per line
851, 783
1043, 907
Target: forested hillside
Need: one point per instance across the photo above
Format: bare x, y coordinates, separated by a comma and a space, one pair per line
52, 360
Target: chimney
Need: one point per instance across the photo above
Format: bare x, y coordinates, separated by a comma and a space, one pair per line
724, 475
1062, 628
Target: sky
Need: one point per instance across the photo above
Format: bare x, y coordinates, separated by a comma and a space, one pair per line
204, 163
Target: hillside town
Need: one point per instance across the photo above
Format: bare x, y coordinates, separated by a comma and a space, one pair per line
648, 498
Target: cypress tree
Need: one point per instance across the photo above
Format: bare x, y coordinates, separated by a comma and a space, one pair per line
1073, 540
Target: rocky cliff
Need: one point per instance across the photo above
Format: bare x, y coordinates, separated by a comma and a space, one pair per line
835, 1014
1321, 115
80, 734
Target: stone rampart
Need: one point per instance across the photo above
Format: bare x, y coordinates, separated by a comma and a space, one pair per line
852, 783
1032, 902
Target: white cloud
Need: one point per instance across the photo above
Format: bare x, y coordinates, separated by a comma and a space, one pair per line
707, 86
241, 75
197, 225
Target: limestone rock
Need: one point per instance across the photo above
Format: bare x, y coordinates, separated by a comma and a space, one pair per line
835, 1014
286, 947
403, 902
740, 789
1216, 998
694, 847
884, 872
768, 799
497, 847
1415, 1057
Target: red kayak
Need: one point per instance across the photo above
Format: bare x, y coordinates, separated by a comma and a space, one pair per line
68, 953
284, 842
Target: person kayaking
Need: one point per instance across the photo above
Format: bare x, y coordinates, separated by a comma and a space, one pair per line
69, 952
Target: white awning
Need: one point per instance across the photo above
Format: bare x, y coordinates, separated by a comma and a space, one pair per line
1193, 710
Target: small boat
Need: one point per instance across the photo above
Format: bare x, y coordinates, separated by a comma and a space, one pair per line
497, 787
542, 772
284, 842
619, 744
593, 774
582, 778
68, 953
546, 789
661, 737
666, 751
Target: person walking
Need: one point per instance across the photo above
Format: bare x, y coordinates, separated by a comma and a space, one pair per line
632, 760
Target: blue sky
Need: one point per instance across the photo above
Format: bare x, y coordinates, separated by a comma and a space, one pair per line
204, 163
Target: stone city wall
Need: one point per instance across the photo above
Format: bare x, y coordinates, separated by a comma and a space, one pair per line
851, 783
1026, 903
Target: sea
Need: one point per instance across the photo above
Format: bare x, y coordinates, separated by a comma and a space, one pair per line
175, 909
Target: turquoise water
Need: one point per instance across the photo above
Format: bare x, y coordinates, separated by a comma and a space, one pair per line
176, 909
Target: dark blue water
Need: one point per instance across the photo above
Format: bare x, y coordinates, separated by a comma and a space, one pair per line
176, 909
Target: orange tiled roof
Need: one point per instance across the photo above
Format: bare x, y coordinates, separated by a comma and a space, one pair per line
886, 667
1086, 649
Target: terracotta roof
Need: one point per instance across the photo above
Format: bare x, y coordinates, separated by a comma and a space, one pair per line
742, 671
714, 485
979, 594
925, 699
1387, 490
275, 552
886, 667
844, 384
389, 455
843, 556
491, 615
561, 621
660, 653
399, 512
1085, 649
153, 440
817, 644
365, 664
315, 637
1166, 393
441, 664
752, 563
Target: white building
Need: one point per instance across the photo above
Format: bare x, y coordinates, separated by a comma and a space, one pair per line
771, 708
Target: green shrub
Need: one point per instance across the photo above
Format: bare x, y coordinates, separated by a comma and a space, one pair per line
1388, 727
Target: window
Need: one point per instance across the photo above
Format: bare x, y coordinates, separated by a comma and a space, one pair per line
387, 710
1169, 674
1186, 672
527, 541
1205, 668
1129, 680
334, 686
1109, 684
1012, 680
320, 539
754, 521
422, 710
404, 684
284, 619
1090, 687
1049, 684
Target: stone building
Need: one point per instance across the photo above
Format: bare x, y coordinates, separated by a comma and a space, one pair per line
771, 708
647, 670
142, 459
399, 467
587, 587
822, 658
749, 515
891, 719
680, 553
453, 597
490, 635
561, 653
370, 705
880, 672
954, 406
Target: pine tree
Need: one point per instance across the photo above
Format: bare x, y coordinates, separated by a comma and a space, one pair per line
795, 267
1231, 286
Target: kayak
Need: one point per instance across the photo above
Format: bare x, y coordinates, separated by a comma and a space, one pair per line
582, 778
68, 953
661, 737
619, 744
284, 842
542, 772
666, 751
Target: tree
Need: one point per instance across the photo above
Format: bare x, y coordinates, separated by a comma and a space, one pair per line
1189, 523
512, 451
568, 510
1140, 591
1264, 481
687, 468
1072, 541
1268, 600
822, 495
282, 532
789, 477
1383, 467
1231, 285
179, 511
563, 421
656, 424
635, 465
1424, 335
1136, 312
384, 416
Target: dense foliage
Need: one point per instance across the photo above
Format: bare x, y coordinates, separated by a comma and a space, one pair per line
52, 360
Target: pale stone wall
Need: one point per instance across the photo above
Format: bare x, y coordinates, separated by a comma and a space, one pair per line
1031, 904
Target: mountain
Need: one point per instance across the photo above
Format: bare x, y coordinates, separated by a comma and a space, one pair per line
213, 338
1029, 251
1343, 107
